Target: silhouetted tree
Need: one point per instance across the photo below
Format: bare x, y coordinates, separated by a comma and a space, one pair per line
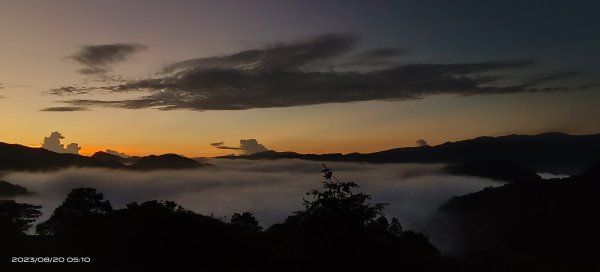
395, 227
247, 221
155, 207
339, 230
164, 234
84, 211
338, 207
16, 218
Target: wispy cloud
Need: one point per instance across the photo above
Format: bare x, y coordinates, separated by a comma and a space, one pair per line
67, 108
70, 90
97, 59
322, 69
248, 146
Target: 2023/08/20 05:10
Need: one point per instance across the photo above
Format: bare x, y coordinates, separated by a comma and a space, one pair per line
51, 259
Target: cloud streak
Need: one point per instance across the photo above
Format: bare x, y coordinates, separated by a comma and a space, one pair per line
65, 109
70, 90
323, 69
248, 146
221, 146
97, 59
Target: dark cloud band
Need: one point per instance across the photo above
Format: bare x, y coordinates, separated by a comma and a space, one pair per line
74, 108
97, 59
313, 71
248, 146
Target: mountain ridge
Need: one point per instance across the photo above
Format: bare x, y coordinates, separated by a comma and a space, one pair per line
552, 152
15, 157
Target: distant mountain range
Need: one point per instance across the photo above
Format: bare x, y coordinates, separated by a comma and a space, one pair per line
107, 157
22, 158
15, 157
166, 161
557, 153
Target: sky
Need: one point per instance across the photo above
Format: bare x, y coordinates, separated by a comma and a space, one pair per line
151, 77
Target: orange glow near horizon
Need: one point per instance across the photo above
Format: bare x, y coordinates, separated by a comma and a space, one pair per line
353, 127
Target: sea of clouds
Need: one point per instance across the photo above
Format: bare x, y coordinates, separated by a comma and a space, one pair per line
271, 190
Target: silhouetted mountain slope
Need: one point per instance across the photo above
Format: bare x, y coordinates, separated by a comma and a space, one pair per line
548, 152
549, 225
200, 159
21, 158
106, 157
590, 174
18, 157
503, 171
11, 190
166, 161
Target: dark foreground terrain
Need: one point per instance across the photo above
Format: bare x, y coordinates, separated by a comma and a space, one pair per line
528, 224
538, 225
337, 231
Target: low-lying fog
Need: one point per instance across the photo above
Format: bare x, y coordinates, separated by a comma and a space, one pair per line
271, 190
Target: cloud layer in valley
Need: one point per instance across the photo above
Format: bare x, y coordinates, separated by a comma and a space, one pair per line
322, 69
272, 190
